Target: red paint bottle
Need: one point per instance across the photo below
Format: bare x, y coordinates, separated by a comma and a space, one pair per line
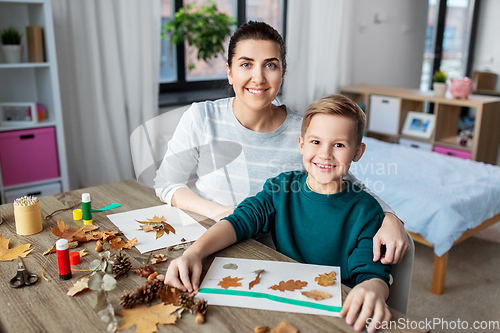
62, 249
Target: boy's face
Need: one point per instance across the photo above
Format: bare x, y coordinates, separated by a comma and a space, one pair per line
328, 148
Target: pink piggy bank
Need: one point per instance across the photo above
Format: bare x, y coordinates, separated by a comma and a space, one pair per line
461, 87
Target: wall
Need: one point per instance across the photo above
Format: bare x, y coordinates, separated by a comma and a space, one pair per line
487, 53
388, 40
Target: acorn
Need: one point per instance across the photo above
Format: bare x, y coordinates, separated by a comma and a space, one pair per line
200, 319
147, 271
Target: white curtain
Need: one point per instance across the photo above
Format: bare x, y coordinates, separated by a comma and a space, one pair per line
108, 55
319, 46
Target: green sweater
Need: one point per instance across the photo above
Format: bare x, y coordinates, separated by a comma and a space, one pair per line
313, 228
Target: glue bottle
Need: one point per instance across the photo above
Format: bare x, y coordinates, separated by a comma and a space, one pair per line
86, 208
62, 248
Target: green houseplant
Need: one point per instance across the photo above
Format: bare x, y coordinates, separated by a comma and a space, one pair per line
203, 28
439, 85
11, 44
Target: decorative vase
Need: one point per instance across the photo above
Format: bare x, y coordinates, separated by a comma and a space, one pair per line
12, 53
439, 88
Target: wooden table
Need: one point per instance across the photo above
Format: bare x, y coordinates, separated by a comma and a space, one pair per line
45, 307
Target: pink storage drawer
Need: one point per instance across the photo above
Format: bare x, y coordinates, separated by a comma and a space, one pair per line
466, 155
28, 155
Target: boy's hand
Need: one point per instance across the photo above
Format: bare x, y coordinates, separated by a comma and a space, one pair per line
393, 235
184, 272
367, 299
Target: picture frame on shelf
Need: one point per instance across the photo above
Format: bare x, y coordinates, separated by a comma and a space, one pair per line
419, 124
18, 114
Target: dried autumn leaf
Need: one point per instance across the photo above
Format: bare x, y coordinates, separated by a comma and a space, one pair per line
228, 281
154, 220
148, 228
146, 318
80, 285
130, 243
326, 279
168, 228
290, 285
230, 266
284, 327
257, 279
170, 295
70, 233
83, 253
118, 244
7, 254
159, 257
318, 295
159, 233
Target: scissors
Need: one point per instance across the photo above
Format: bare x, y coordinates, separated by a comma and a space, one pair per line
23, 277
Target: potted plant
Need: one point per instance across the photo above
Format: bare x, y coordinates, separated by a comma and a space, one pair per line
204, 28
11, 44
439, 86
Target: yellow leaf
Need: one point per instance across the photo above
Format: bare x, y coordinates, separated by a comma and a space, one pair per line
146, 318
80, 285
326, 279
154, 220
83, 253
316, 294
148, 228
7, 254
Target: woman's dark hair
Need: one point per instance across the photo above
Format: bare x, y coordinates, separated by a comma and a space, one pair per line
256, 31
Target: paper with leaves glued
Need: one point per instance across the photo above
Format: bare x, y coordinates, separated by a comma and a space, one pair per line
261, 296
186, 228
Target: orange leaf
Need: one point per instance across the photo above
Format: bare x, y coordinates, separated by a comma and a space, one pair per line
9, 255
257, 279
148, 228
228, 281
326, 279
80, 285
290, 285
284, 327
146, 318
154, 220
316, 294
130, 243
70, 233
170, 295
159, 233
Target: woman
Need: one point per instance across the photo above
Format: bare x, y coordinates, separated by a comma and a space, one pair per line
235, 144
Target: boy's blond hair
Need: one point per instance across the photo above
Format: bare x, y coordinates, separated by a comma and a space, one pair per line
337, 105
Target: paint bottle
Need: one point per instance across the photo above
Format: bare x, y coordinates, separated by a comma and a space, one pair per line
86, 209
62, 248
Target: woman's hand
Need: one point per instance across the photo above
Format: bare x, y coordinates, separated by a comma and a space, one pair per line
184, 272
393, 235
368, 300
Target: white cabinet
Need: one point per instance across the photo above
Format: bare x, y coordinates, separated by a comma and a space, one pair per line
384, 114
27, 82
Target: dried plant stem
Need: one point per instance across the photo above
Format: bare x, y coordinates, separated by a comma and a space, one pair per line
60, 210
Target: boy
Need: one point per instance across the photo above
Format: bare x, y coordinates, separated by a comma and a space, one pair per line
314, 217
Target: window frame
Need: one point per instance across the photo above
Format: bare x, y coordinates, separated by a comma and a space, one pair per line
181, 85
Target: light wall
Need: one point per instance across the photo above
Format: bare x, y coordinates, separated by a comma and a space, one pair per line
487, 53
388, 41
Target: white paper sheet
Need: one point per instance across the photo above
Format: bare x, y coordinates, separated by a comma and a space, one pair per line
185, 227
275, 271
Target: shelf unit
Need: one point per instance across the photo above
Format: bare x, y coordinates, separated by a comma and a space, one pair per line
27, 82
486, 140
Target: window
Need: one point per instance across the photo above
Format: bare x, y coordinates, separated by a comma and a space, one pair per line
174, 73
450, 39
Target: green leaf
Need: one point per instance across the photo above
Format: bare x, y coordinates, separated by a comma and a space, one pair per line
94, 264
102, 302
95, 281
108, 282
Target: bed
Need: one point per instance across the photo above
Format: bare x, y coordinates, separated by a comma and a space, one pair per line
442, 200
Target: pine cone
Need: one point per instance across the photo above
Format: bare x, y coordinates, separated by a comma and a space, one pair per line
127, 300
122, 264
145, 294
200, 306
186, 300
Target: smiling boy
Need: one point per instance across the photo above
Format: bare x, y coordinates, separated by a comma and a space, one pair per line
315, 217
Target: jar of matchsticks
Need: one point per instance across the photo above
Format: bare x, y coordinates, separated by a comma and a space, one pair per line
27, 215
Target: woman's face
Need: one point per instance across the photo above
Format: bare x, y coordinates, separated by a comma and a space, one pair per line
256, 73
